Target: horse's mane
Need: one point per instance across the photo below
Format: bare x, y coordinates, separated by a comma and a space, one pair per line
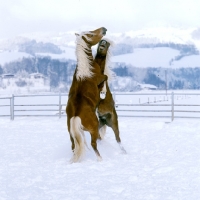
107, 70
84, 63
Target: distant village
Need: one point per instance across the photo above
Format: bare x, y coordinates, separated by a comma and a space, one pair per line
37, 82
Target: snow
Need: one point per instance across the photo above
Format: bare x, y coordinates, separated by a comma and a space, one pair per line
161, 34
162, 161
145, 57
188, 61
9, 56
157, 57
33, 86
141, 57
68, 54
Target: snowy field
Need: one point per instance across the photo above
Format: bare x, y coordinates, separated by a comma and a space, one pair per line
162, 161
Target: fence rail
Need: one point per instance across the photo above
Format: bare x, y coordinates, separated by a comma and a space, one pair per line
162, 106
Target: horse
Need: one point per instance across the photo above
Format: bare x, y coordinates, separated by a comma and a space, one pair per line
106, 109
84, 95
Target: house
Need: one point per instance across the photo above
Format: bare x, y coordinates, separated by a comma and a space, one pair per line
7, 76
37, 76
147, 87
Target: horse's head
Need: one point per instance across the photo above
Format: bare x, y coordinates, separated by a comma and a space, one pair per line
103, 47
103, 56
92, 37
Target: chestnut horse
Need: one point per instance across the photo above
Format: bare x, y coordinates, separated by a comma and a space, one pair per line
106, 108
84, 94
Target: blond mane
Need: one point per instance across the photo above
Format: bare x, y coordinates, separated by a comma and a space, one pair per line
84, 63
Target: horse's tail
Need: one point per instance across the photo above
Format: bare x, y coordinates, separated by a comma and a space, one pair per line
76, 131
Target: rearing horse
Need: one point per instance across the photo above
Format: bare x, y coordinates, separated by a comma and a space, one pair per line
106, 108
84, 94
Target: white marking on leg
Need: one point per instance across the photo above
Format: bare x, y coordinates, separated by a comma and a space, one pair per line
99, 158
103, 91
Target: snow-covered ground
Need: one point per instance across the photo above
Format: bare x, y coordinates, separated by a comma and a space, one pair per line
69, 53
9, 56
148, 57
162, 161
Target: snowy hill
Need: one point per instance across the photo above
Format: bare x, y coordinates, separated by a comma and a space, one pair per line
139, 48
9, 56
138, 56
157, 35
146, 57
68, 53
157, 57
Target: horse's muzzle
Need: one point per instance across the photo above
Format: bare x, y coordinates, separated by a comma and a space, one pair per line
104, 31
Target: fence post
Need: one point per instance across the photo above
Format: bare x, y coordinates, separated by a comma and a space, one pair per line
172, 117
12, 108
60, 106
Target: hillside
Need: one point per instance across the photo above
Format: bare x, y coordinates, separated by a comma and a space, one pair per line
139, 57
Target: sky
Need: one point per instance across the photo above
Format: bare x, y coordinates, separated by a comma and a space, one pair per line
27, 16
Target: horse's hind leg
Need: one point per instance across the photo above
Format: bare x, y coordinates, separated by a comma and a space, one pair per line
113, 123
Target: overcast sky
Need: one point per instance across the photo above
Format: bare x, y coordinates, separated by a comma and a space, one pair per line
26, 16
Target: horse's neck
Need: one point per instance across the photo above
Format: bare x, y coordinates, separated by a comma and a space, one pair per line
88, 51
101, 61
84, 61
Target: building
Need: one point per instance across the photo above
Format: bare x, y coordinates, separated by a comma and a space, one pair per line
7, 76
37, 76
147, 87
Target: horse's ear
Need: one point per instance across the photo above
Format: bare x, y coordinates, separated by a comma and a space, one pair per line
76, 34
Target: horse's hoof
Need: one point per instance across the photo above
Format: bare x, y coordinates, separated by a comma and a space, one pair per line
124, 151
99, 158
122, 148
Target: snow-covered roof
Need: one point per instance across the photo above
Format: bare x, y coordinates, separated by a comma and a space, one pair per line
147, 86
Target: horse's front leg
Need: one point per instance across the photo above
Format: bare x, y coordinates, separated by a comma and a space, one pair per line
101, 78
